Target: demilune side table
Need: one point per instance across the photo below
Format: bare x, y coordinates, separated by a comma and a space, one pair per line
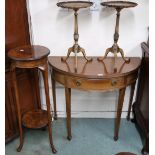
94, 75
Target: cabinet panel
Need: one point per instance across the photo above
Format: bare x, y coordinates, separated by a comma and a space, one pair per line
16, 25
144, 100
141, 106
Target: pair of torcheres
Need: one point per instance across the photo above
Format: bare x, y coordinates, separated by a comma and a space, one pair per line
35, 56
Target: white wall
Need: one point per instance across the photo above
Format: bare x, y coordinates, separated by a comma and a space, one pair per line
53, 27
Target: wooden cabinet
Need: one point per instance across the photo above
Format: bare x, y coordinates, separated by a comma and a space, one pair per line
141, 106
17, 34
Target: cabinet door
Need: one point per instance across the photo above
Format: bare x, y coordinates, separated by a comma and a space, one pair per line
144, 104
141, 106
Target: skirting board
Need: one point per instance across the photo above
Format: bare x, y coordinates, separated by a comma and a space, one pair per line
90, 114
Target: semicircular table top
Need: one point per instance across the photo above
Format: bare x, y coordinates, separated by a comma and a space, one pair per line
95, 68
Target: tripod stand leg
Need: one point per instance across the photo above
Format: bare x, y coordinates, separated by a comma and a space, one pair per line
127, 60
84, 54
106, 53
68, 54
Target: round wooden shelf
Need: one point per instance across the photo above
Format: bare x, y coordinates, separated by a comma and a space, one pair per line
35, 119
28, 53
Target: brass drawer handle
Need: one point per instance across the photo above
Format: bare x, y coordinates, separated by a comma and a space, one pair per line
78, 83
113, 82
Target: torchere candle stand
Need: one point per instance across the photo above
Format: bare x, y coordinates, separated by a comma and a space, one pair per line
75, 5
115, 49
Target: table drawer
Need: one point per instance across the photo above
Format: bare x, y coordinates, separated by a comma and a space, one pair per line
95, 84
86, 83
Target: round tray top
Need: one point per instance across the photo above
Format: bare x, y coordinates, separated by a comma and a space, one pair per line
75, 5
119, 4
28, 52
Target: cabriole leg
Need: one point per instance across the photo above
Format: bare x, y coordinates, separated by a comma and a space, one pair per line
18, 108
44, 70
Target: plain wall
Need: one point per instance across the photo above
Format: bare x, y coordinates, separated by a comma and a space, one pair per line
53, 27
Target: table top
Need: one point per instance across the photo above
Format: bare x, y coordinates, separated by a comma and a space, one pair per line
119, 4
75, 5
28, 52
95, 69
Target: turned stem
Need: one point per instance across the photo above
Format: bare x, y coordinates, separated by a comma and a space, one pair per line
76, 37
116, 35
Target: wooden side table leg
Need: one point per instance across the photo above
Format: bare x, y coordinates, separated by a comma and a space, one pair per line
68, 110
44, 70
131, 99
54, 98
18, 108
119, 112
36, 76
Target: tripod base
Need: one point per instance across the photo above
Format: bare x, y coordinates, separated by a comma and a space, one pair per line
73, 49
114, 49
